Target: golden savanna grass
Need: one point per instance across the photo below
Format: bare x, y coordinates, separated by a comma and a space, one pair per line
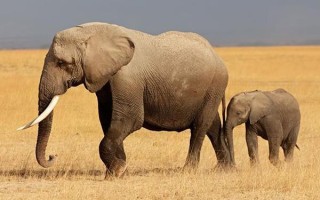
155, 158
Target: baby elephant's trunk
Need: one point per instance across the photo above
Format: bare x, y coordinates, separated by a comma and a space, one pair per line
229, 135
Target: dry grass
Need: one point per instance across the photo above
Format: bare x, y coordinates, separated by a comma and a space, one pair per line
155, 158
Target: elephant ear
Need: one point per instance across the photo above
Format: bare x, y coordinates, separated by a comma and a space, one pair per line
259, 108
106, 52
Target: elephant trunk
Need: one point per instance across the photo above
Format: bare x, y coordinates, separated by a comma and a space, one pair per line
229, 136
44, 130
42, 141
226, 156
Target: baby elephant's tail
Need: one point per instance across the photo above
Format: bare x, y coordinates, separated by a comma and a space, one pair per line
298, 147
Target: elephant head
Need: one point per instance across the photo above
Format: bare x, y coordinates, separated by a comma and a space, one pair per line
247, 107
88, 54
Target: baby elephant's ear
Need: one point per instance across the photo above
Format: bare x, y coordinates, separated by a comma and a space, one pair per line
106, 52
260, 106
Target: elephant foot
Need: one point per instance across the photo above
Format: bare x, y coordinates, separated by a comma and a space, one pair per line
225, 167
117, 169
275, 162
280, 165
288, 159
190, 168
254, 163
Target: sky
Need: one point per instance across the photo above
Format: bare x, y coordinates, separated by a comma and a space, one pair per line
33, 23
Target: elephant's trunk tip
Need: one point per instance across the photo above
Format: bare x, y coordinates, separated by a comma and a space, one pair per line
48, 163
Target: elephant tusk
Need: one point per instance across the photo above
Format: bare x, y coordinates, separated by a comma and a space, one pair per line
43, 115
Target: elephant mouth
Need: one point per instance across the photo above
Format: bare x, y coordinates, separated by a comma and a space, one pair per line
73, 83
69, 83
85, 85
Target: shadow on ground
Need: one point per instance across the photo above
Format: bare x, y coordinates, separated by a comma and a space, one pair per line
161, 171
54, 173
50, 173
96, 174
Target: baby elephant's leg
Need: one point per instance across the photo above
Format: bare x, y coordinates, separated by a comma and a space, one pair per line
275, 135
274, 145
290, 144
252, 144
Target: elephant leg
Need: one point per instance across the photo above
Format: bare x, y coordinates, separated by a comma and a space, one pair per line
118, 119
111, 146
274, 145
196, 140
252, 144
104, 97
112, 154
110, 149
199, 129
288, 153
216, 137
274, 134
290, 144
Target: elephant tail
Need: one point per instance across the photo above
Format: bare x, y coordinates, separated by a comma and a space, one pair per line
298, 147
224, 111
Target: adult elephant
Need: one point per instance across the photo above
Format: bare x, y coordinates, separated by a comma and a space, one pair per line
173, 81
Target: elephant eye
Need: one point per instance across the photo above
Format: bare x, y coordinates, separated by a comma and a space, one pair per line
238, 112
60, 63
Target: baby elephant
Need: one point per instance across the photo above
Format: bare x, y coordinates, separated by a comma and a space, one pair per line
273, 115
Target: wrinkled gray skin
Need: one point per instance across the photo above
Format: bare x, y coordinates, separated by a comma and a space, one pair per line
273, 115
173, 81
